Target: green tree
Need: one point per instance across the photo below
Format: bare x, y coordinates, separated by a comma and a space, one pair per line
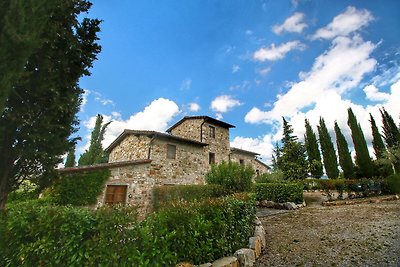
70, 161
22, 24
328, 151
392, 138
95, 154
40, 110
345, 161
276, 157
313, 153
377, 142
363, 159
292, 161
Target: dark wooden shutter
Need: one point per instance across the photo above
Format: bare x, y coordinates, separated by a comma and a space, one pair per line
116, 194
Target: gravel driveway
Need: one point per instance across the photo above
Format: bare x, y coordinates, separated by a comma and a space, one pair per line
349, 235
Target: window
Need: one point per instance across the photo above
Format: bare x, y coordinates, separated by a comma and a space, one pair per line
171, 152
116, 194
212, 132
241, 161
211, 158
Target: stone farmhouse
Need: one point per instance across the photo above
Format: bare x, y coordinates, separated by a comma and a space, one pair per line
140, 160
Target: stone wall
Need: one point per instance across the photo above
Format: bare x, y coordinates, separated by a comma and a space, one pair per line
189, 166
132, 147
219, 145
249, 159
190, 129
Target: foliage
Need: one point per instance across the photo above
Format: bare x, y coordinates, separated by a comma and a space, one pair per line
345, 161
392, 138
328, 150
231, 175
280, 192
393, 182
363, 159
70, 161
37, 234
377, 142
276, 176
40, 110
165, 195
95, 154
79, 189
313, 153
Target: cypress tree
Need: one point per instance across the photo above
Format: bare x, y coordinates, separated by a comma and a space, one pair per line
314, 155
276, 157
292, 159
363, 159
95, 154
392, 138
70, 161
377, 142
345, 160
328, 151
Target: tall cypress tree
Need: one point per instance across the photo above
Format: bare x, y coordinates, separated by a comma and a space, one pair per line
95, 154
70, 161
363, 159
287, 133
392, 138
313, 153
345, 160
328, 151
377, 142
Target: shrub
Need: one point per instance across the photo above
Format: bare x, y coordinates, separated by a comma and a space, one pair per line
393, 183
36, 233
276, 176
79, 189
232, 176
165, 195
280, 192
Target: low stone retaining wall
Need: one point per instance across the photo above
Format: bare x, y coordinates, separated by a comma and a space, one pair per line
275, 205
244, 257
360, 200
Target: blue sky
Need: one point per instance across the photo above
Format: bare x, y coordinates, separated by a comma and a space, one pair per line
245, 62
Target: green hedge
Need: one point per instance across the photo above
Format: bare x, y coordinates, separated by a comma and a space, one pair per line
280, 192
79, 189
37, 234
166, 195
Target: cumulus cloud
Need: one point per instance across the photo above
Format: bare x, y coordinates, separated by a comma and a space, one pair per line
156, 116
262, 145
274, 53
349, 21
373, 93
337, 70
224, 103
292, 24
194, 107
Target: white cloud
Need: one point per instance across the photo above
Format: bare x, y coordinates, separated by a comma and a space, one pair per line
274, 53
373, 93
156, 116
224, 103
349, 21
186, 84
194, 107
244, 85
262, 145
291, 24
85, 96
264, 71
337, 70
235, 68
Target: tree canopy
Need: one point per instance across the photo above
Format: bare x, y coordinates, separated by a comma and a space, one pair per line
40, 109
345, 161
313, 153
328, 150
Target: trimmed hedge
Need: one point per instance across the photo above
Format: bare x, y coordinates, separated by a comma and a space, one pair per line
79, 189
280, 192
37, 234
166, 194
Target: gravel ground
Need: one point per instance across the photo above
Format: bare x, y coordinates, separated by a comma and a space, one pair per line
349, 235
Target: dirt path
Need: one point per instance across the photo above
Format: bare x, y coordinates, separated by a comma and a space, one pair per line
351, 235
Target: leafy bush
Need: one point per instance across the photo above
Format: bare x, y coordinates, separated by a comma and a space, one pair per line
232, 176
79, 189
393, 183
280, 192
276, 176
165, 195
36, 233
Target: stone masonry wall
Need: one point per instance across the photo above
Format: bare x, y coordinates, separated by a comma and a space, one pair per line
189, 129
189, 166
218, 145
132, 147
